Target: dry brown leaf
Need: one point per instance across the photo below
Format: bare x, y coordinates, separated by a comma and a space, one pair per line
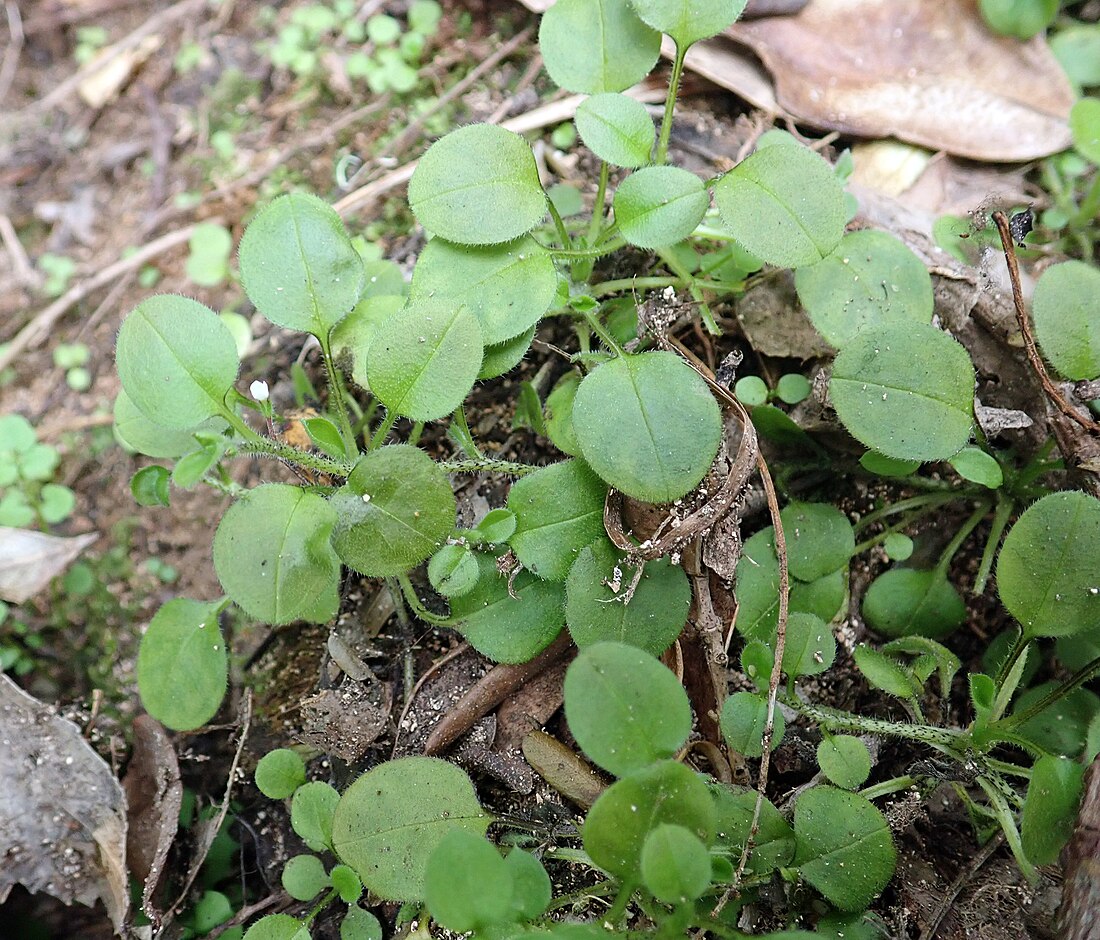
112, 68
62, 812
926, 71
30, 559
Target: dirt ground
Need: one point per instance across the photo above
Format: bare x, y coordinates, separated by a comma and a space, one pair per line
93, 182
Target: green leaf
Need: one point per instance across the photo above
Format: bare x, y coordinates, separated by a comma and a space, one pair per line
783, 204
617, 129
593, 46
209, 249
531, 888
559, 413
906, 390
627, 811
272, 552
1046, 572
898, 547
182, 664
278, 927
55, 503
147, 437
648, 425
304, 877
773, 845
1062, 727
325, 436
279, 773
688, 21
149, 486
395, 510
16, 434
453, 570
974, 464
743, 719
507, 287
887, 466
382, 278
624, 707
352, 336
651, 620
467, 885
360, 925
389, 822
1077, 49
675, 864
1067, 324
883, 672
751, 390
558, 510
177, 360
870, 278
479, 185
659, 205
423, 360
843, 847
495, 527
819, 539
947, 663
504, 357
1050, 809
793, 388
298, 265
347, 884
1020, 18
311, 811
844, 760
507, 628
809, 648
192, 467
908, 602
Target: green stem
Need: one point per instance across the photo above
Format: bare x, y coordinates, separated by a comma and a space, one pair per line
601, 331
696, 293
488, 465
268, 448
1015, 653
417, 605
338, 397
961, 536
559, 224
925, 500
383, 429
597, 251
414, 434
618, 908
1090, 205
874, 540
941, 738
604, 288
460, 431
886, 787
598, 206
670, 103
1003, 512
1073, 683
1007, 818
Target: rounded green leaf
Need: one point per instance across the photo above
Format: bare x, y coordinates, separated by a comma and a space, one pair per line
504, 357
298, 265
495, 527
453, 570
648, 425
810, 647
423, 360
793, 388
1084, 121
883, 672
507, 287
773, 845
1047, 574
905, 390
675, 864
1050, 809
845, 760
559, 413
272, 552
479, 185
395, 510
389, 822
558, 510
182, 664
843, 846
659, 205
592, 46
871, 277
909, 602
352, 336
688, 21
974, 464
16, 434
627, 811
819, 537
56, 502
1019, 18
304, 877
177, 360
1062, 727
531, 888
509, 626
278, 927
624, 707
279, 773
783, 204
617, 129
149, 486
743, 720
147, 437
651, 620
1067, 318
887, 466
346, 883
466, 883
359, 924
751, 390
311, 810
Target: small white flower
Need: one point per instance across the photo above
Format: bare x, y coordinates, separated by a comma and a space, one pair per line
258, 390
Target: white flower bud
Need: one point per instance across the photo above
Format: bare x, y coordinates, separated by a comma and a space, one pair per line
258, 390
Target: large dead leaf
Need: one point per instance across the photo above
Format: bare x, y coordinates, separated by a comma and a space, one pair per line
62, 813
29, 560
926, 71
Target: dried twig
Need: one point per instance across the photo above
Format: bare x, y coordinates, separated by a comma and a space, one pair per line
1022, 318
15, 46
22, 268
40, 325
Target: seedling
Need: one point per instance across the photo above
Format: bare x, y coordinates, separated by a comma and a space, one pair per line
636, 421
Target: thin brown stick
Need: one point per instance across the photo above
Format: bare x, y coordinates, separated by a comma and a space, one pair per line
13, 49
1022, 318
40, 325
